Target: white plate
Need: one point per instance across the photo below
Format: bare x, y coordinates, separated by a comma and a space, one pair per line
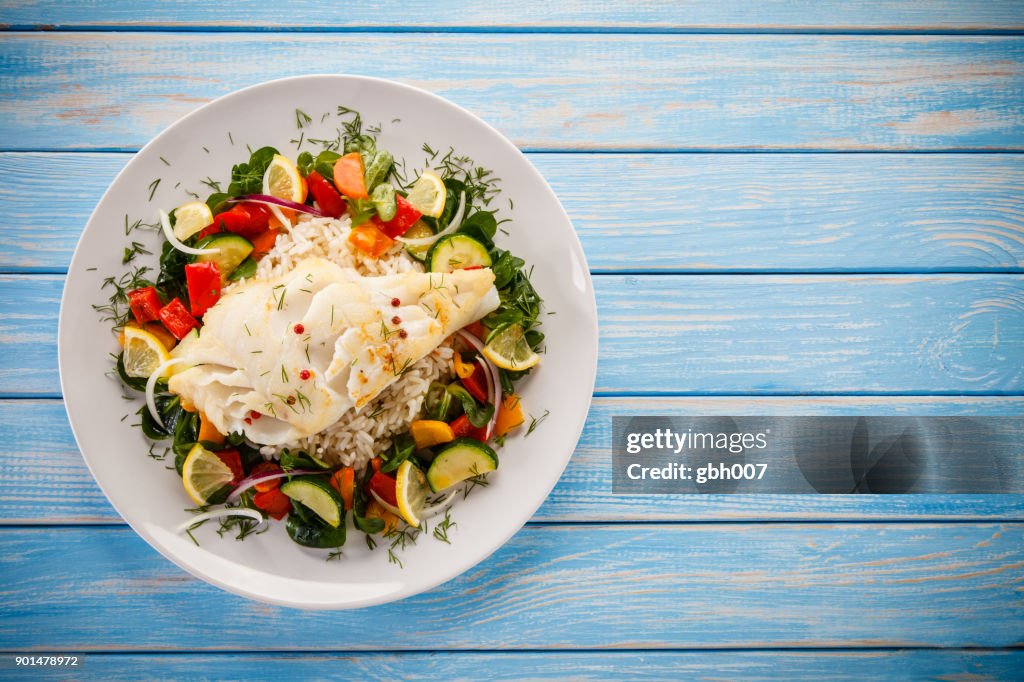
270, 567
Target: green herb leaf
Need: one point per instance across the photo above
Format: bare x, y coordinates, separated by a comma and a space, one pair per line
478, 416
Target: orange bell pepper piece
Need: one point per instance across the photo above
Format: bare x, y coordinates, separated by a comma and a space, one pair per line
510, 415
344, 481
370, 240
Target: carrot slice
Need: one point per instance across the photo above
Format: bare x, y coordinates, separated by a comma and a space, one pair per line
349, 176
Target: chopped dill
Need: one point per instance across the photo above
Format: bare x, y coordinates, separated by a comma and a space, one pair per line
152, 188
302, 119
442, 528
134, 250
211, 183
536, 421
166, 162
231, 138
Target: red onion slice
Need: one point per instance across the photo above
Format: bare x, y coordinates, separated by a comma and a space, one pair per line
490, 372
250, 482
270, 200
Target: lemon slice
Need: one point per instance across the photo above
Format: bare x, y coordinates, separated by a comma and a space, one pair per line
204, 474
509, 350
284, 180
411, 489
143, 352
191, 218
428, 195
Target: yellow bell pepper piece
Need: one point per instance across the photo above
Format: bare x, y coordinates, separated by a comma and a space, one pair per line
430, 432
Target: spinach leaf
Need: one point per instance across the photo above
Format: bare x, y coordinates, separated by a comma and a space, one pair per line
359, 501
401, 448
505, 266
478, 416
217, 202
481, 226
324, 163
171, 280
247, 178
297, 460
304, 162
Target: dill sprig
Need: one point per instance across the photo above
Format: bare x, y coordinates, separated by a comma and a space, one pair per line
116, 309
131, 251
442, 528
536, 421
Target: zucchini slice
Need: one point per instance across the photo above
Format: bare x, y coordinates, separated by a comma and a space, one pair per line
318, 496
463, 458
232, 250
456, 252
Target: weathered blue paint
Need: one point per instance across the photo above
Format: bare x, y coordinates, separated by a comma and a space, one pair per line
548, 91
554, 587
528, 15
633, 666
38, 454
679, 583
714, 335
668, 212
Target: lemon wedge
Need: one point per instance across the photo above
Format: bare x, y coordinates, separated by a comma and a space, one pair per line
284, 180
427, 195
203, 474
411, 489
509, 350
191, 218
143, 352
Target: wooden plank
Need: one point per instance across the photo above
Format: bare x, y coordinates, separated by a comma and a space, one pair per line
718, 335
43, 479
531, 15
29, 311
669, 212
811, 334
752, 666
554, 587
682, 92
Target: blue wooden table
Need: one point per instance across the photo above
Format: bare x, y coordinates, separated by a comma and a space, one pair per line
789, 208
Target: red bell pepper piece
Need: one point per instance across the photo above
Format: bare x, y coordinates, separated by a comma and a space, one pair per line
177, 319
384, 486
477, 329
266, 469
247, 219
326, 196
203, 286
405, 217
233, 460
476, 384
145, 304
463, 428
274, 502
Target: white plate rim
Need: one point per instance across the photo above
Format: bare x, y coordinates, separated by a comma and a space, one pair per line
524, 515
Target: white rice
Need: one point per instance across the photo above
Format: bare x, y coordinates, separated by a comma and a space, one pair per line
358, 436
